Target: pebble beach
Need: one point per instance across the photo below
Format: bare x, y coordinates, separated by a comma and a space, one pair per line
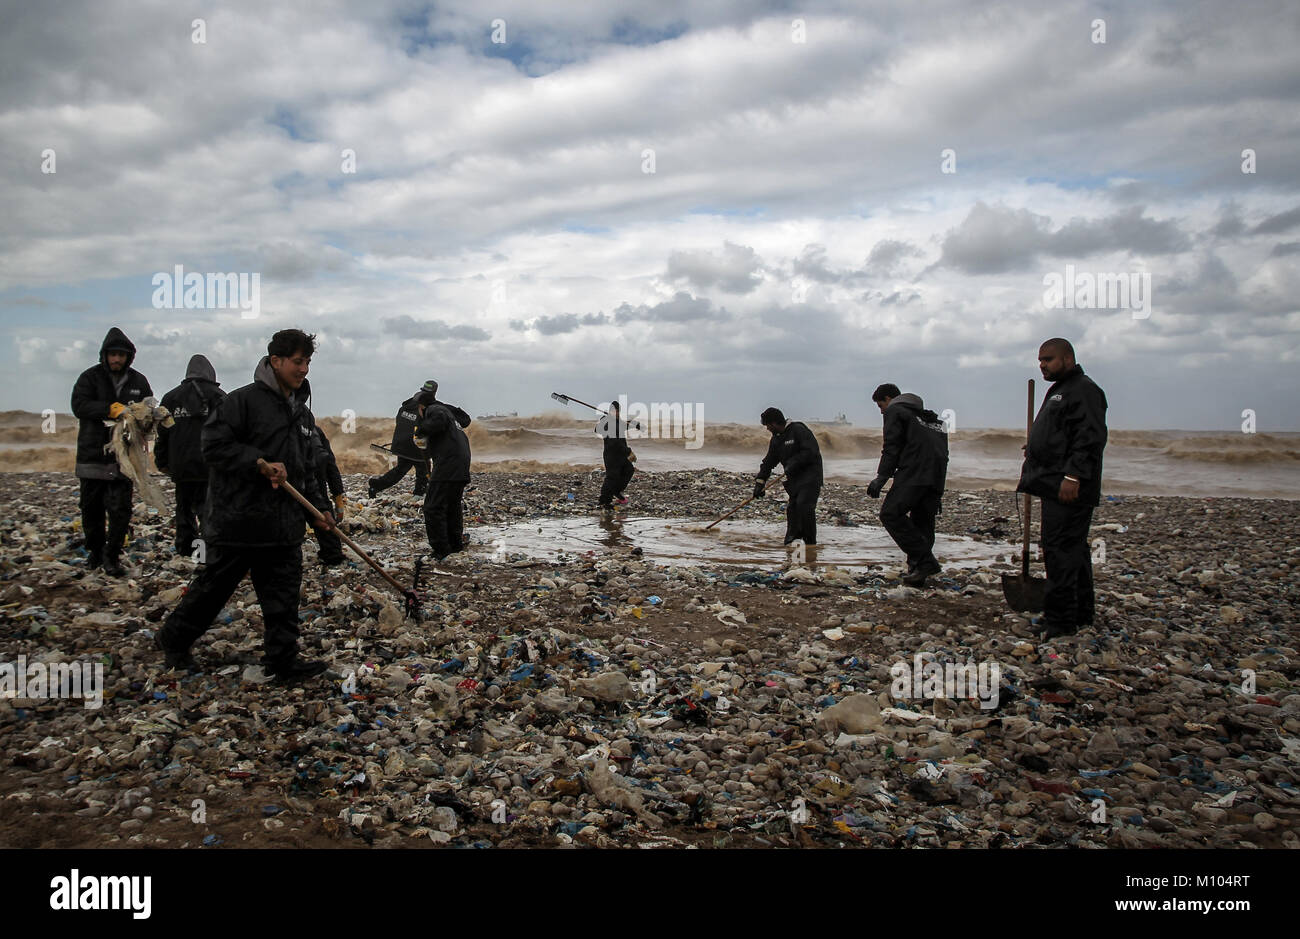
614, 695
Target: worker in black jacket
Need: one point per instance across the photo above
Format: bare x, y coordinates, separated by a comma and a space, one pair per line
328, 478
409, 454
101, 394
440, 427
795, 448
915, 454
179, 449
261, 436
1063, 467
618, 457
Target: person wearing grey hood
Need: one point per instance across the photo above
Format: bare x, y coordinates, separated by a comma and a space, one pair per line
262, 435
179, 449
915, 454
100, 397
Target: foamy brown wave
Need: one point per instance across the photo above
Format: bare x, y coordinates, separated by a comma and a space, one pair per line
551, 419
482, 438
833, 442
530, 466
1243, 448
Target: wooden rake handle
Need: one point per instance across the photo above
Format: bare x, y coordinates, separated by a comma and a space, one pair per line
743, 504
315, 512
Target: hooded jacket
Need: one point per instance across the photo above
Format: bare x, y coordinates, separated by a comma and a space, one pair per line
796, 449
408, 416
915, 450
1067, 439
179, 450
258, 421
93, 394
448, 445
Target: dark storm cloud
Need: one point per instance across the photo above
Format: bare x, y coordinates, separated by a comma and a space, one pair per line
996, 239
406, 327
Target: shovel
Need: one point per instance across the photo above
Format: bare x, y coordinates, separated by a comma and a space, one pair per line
1025, 594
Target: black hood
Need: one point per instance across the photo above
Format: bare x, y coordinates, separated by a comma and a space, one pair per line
201, 369
116, 339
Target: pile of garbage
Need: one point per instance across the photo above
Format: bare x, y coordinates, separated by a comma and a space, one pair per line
601, 699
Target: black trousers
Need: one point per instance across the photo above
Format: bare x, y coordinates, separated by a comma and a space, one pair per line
908, 515
617, 476
801, 513
331, 546
111, 497
444, 522
277, 579
190, 496
1070, 599
398, 473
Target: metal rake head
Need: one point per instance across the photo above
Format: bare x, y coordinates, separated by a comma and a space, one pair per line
415, 597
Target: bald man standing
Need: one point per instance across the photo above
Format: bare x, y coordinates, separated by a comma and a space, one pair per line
1063, 467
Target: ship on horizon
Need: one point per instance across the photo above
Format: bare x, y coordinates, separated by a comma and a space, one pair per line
841, 420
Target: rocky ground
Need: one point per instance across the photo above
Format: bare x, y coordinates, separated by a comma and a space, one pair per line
601, 699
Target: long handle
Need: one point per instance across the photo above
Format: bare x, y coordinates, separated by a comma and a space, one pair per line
285, 485
742, 505
1029, 503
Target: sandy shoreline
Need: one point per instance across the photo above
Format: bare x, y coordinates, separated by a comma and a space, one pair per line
500, 696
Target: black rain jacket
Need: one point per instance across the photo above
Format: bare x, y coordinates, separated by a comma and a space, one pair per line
915, 450
796, 449
448, 445
408, 416
328, 476
179, 450
1067, 439
258, 421
614, 430
93, 394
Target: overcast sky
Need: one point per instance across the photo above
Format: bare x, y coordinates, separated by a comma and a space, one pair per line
796, 243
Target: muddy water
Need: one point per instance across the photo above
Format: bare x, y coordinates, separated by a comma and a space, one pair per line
744, 543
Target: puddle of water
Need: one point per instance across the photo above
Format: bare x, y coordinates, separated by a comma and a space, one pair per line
742, 543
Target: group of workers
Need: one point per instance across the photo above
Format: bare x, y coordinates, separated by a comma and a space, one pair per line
230, 454
1062, 466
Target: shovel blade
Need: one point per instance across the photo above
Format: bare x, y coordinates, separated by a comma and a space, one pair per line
1024, 594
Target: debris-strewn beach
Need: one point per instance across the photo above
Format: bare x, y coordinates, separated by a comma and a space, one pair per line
606, 698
